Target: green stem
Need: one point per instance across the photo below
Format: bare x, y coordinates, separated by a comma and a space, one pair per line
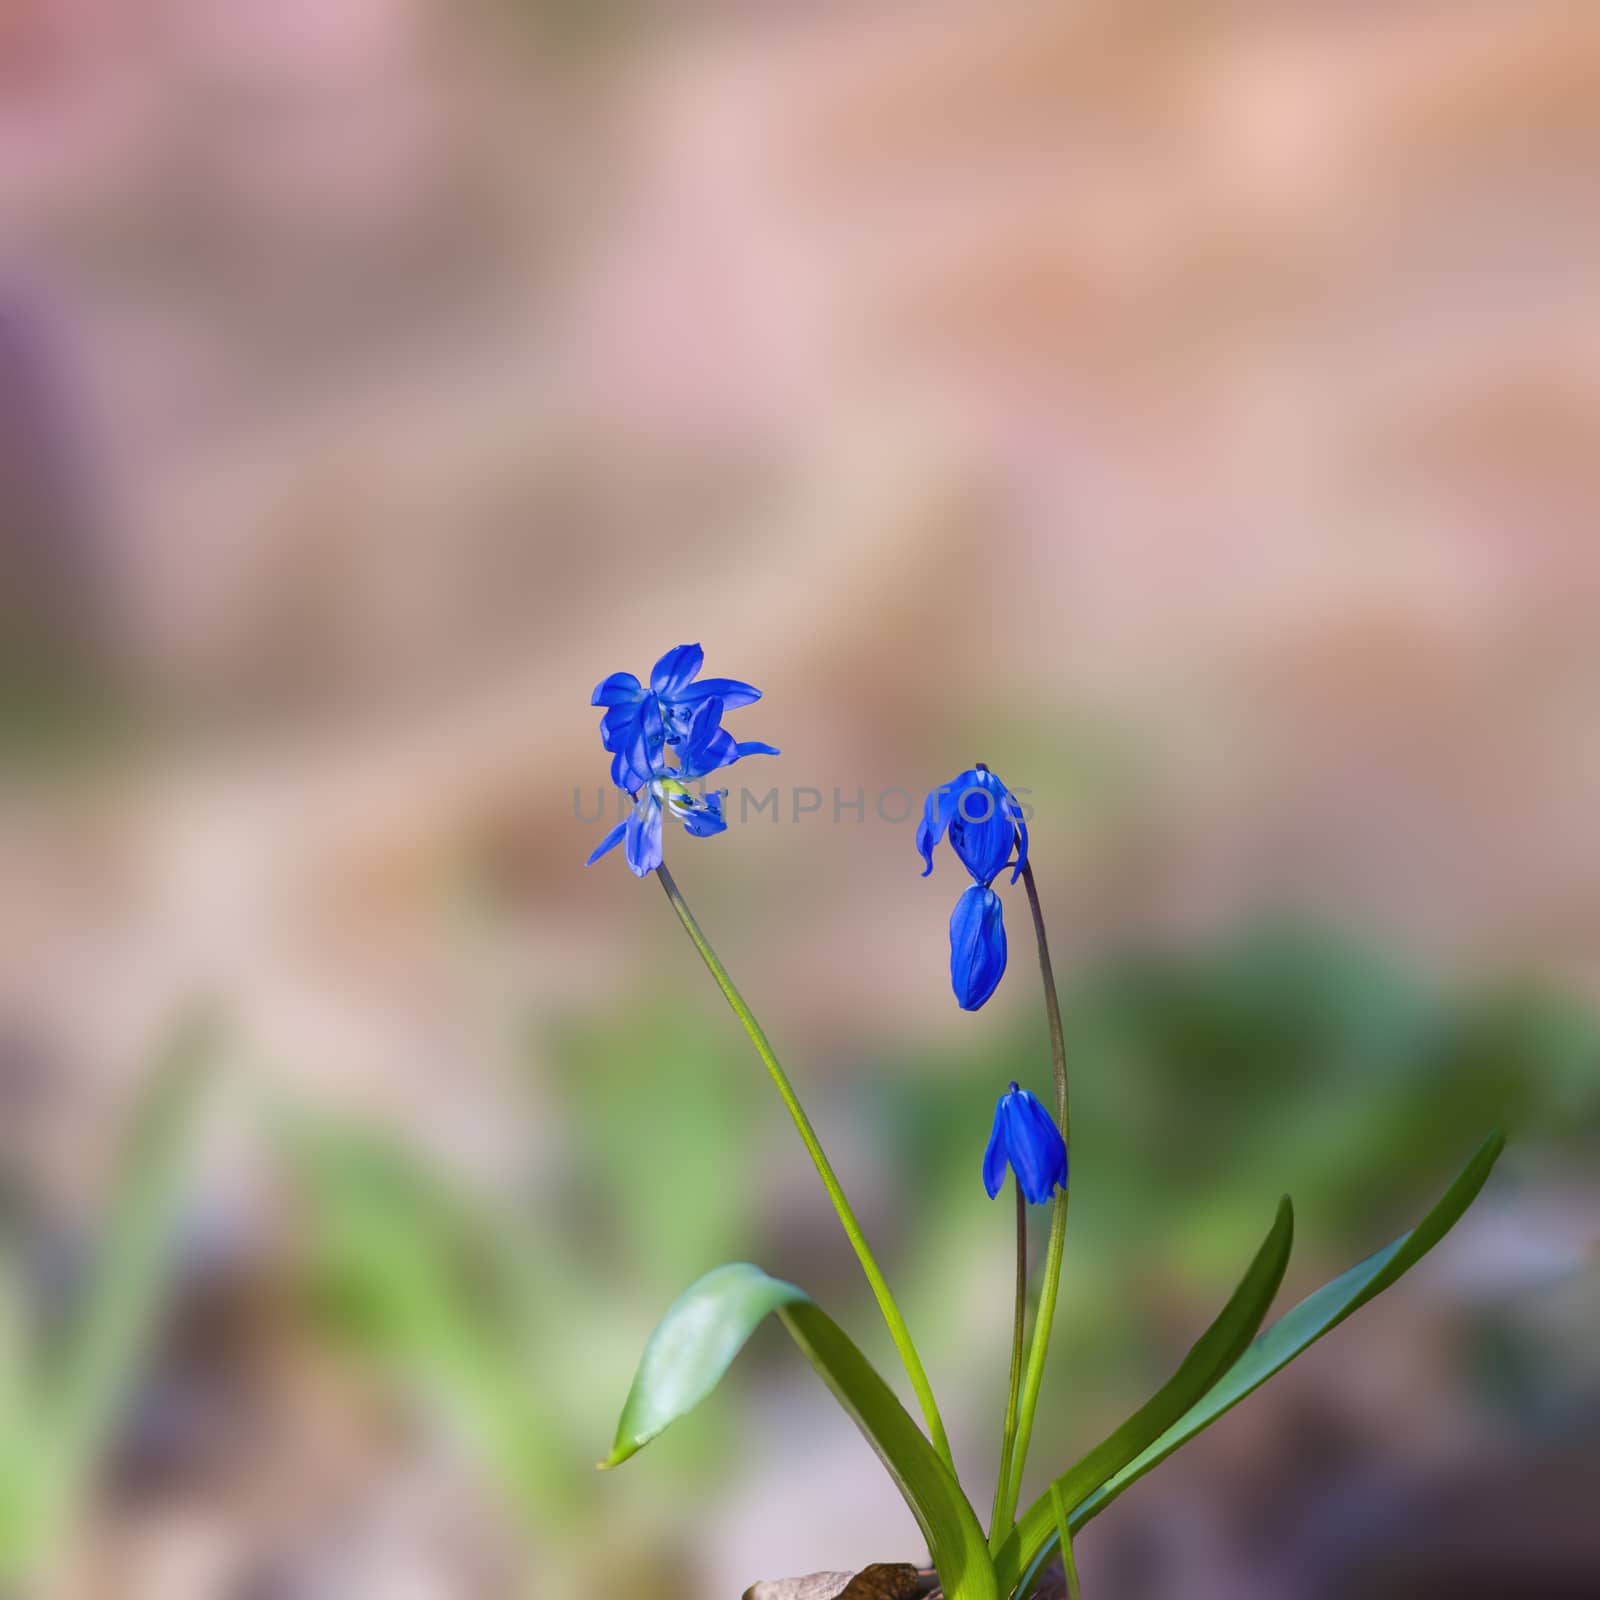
886, 1303
1064, 1528
1052, 1007
1008, 1437
1058, 1230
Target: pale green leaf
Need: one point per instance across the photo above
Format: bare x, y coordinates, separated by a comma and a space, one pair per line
707, 1326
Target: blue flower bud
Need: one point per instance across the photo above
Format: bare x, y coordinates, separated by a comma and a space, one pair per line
977, 946
1026, 1139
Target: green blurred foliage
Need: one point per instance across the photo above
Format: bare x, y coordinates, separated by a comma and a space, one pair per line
69, 1362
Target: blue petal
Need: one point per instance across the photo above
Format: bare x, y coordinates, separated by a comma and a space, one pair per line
705, 818
1022, 845
937, 811
994, 1158
643, 756
671, 674
730, 691
610, 842
621, 725
700, 726
707, 746
654, 732
754, 747
621, 688
644, 836
718, 751
977, 946
632, 769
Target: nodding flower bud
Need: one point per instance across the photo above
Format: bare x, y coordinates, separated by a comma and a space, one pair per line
985, 821
1026, 1139
977, 947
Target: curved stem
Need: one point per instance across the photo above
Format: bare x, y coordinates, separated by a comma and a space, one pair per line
1008, 1437
1052, 1007
1058, 1227
886, 1303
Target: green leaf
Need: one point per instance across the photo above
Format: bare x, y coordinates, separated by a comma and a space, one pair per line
692, 1347
1291, 1334
84, 1384
707, 1326
1209, 1358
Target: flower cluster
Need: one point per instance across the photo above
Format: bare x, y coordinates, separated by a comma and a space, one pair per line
985, 823
645, 729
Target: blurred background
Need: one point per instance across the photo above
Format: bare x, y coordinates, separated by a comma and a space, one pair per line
1193, 412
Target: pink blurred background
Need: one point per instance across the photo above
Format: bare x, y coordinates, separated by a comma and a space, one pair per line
1194, 413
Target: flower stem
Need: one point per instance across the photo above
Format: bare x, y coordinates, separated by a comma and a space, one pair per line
886, 1302
1008, 1437
1058, 1231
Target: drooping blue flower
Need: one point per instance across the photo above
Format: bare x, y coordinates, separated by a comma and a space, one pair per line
638, 721
984, 820
703, 747
1026, 1139
986, 823
977, 946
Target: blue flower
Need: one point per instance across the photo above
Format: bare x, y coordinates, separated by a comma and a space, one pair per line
1026, 1139
639, 722
977, 946
702, 747
985, 822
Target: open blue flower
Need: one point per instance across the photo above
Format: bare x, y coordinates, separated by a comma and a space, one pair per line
639, 722
986, 823
704, 747
1026, 1139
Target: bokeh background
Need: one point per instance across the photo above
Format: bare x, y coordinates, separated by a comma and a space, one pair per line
1192, 411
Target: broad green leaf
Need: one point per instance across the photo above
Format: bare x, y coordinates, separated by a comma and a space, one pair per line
83, 1385
1291, 1334
1209, 1358
707, 1326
